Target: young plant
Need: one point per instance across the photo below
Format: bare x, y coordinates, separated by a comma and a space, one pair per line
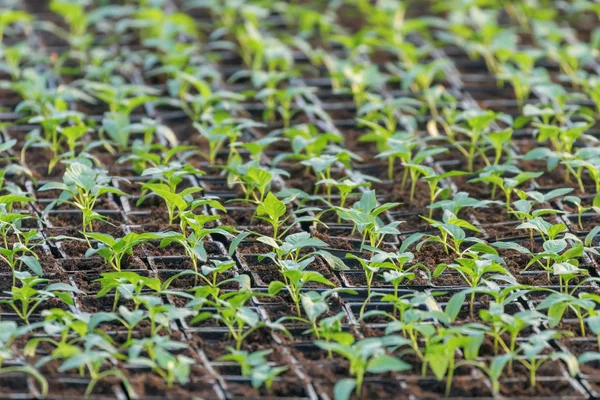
76, 17
254, 179
175, 202
476, 126
314, 305
494, 370
224, 129
452, 235
498, 141
364, 356
26, 298
364, 214
295, 278
323, 164
81, 187
416, 168
21, 253
156, 352
532, 356
12, 17
433, 181
272, 210
504, 323
507, 185
255, 366
240, 320
9, 333
577, 202
558, 303
345, 188
96, 357
473, 272
193, 242
114, 250
441, 354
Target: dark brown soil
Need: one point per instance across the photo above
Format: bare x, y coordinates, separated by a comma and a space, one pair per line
462, 387
550, 388
98, 265
14, 384
74, 248
67, 220
149, 384
103, 304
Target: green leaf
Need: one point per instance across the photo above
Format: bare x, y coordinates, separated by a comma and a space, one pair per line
367, 202
463, 224
103, 238
483, 248
334, 262
275, 287
511, 246
14, 198
33, 264
498, 364
163, 191
454, 305
570, 360
588, 356
236, 242
268, 241
99, 317
589, 238
271, 206
555, 314
555, 246
60, 286
438, 362
385, 363
343, 389
594, 324
499, 138
316, 277
439, 269
556, 229
313, 309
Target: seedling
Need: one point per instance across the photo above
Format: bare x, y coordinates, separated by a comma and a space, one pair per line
365, 356
364, 214
114, 250
531, 354
451, 236
25, 299
473, 272
477, 124
295, 278
95, 362
240, 320
255, 366
494, 370
155, 352
506, 185
175, 202
82, 186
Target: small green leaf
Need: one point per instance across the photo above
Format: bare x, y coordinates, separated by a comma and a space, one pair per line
454, 305
343, 389
275, 287
271, 206
385, 363
33, 264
